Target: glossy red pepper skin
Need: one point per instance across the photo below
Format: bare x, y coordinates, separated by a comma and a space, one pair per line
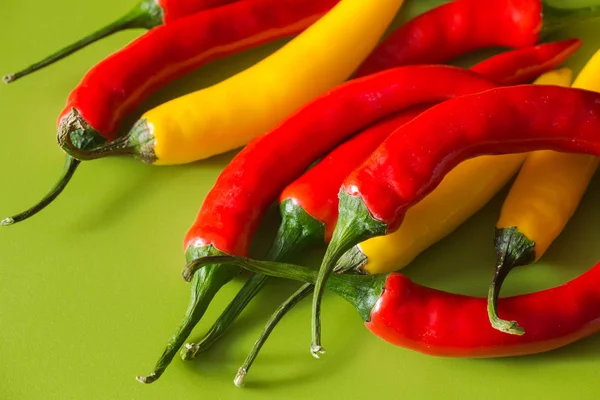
228, 220
414, 159
456, 28
116, 86
175, 9
532, 60
554, 318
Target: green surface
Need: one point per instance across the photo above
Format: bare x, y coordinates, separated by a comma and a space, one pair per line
91, 288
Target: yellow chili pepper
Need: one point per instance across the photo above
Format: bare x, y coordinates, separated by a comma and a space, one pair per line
229, 114
543, 198
466, 189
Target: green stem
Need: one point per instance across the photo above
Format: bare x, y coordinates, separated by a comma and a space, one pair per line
362, 291
281, 311
233, 310
298, 231
513, 249
69, 169
556, 19
147, 14
205, 285
355, 224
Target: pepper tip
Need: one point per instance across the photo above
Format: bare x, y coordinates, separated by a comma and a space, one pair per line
8, 78
317, 351
7, 221
239, 378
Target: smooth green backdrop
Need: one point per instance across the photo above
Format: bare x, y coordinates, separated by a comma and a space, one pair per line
90, 289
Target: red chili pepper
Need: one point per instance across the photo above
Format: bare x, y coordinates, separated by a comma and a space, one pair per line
228, 220
147, 14
416, 157
444, 324
461, 26
309, 204
116, 86
529, 61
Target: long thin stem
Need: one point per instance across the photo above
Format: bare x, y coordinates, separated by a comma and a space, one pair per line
233, 310
205, 285
281, 311
69, 169
147, 14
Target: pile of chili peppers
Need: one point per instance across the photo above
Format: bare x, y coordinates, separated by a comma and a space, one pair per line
367, 148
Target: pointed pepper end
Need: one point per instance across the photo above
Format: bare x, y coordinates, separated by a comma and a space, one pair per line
317, 351
239, 378
7, 221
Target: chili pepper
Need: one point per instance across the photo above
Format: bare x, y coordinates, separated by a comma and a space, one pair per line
147, 14
463, 191
227, 221
401, 312
531, 61
543, 198
461, 26
412, 161
115, 87
309, 205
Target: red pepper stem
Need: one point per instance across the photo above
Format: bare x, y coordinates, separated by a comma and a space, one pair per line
69, 169
298, 230
147, 14
205, 285
362, 291
354, 225
556, 19
513, 249
281, 311
233, 310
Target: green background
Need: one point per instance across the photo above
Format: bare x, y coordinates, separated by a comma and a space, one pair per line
90, 289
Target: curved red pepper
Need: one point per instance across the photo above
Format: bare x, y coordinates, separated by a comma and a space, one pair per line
514, 119
530, 61
456, 28
553, 318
